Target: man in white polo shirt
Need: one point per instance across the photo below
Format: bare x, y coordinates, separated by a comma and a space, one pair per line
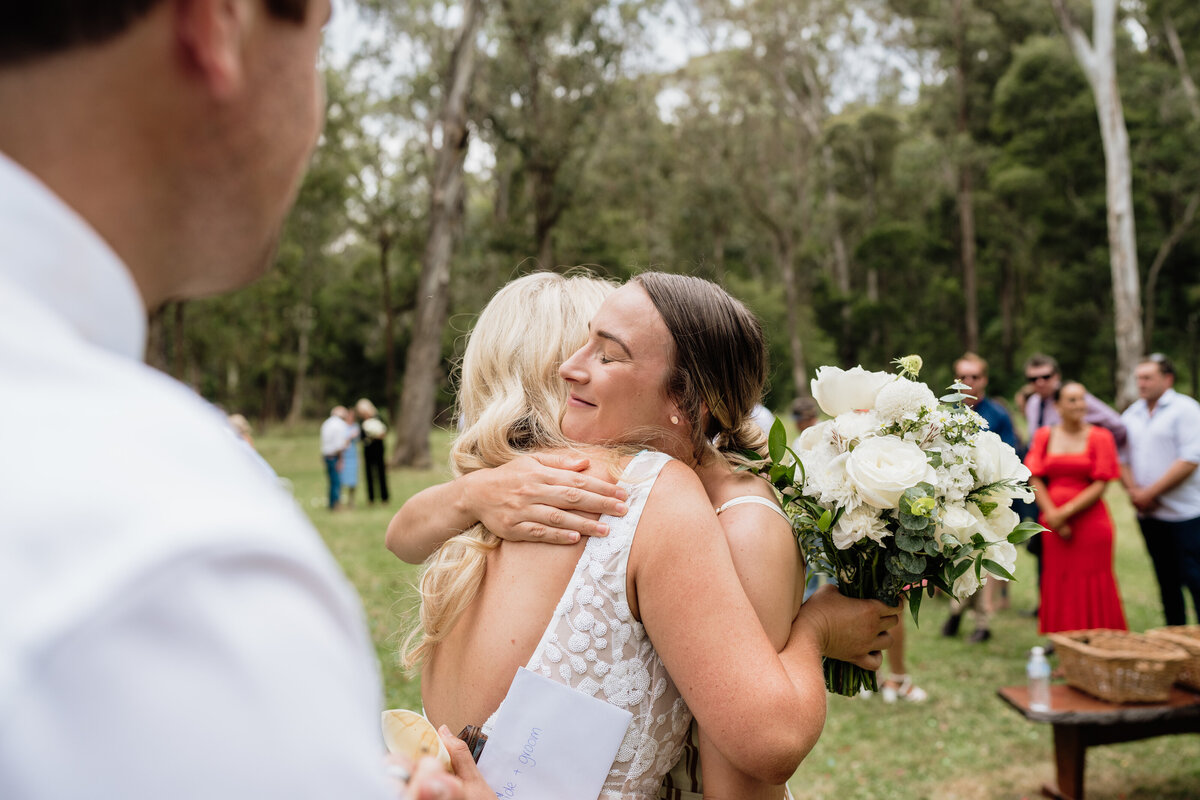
1158, 469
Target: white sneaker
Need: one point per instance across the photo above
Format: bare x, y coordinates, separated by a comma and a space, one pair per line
907, 690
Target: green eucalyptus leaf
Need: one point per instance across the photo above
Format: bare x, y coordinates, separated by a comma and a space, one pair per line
777, 441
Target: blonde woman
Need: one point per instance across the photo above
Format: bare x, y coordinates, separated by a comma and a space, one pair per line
632, 382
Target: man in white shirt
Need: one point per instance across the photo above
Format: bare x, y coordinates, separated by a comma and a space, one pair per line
1158, 468
335, 436
172, 626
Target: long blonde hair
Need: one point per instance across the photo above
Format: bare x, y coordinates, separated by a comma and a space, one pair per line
510, 401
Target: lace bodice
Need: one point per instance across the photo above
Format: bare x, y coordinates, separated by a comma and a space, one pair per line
594, 645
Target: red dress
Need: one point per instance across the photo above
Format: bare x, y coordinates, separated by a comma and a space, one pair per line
1079, 589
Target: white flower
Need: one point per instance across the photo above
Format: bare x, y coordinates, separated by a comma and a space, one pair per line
998, 524
959, 522
966, 585
853, 426
903, 399
838, 391
882, 467
1004, 554
997, 461
854, 526
814, 436
827, 480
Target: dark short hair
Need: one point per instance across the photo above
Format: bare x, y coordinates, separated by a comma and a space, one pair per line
1058, 392
35, 28
1042, 360
805, 408
1165, 366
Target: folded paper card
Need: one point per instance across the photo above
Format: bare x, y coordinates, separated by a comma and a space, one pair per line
551, 742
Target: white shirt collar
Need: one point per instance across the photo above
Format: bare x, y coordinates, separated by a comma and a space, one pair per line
53, 254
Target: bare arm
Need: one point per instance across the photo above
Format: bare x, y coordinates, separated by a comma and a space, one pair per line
770, 570
762, 711
1146, 497
542, 498
1082, 501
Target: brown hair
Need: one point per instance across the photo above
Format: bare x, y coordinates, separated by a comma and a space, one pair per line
719, 362
45, 27
1043, 360
974, 358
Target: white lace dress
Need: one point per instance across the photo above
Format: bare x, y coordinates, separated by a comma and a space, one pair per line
594, 645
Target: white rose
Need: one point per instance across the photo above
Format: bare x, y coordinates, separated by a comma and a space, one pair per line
813, 436
959, 523
1001, 522
854, 526
838, 391
855, 425
966, 585
882, 467
996, 461
903, 399
1004, 554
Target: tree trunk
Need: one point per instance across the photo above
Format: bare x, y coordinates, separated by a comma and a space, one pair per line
389, 325
1185, 74
966, 201
1098, 61
156, 339
785, 258
417, 404
305, 318
177, 350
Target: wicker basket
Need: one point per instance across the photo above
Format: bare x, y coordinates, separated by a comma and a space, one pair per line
1118, 666
1185, 637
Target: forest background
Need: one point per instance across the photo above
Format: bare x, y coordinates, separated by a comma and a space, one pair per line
873, 177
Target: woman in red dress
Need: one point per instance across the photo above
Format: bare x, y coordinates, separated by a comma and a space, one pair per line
1071, 463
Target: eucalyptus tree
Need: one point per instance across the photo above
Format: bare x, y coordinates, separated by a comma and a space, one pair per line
1097, 58
549, 82
1169, 156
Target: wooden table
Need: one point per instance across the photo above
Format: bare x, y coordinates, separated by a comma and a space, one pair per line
1081, 721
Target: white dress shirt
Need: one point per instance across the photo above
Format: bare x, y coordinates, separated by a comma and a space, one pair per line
335, 436
172, 625
1158, 440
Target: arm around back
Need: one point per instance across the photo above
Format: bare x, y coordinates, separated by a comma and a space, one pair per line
535, 498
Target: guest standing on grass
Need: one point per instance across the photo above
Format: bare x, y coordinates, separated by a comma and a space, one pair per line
334, 435
1159, 471
174, 627
1072, 462
348, 474
971, 370
374, 433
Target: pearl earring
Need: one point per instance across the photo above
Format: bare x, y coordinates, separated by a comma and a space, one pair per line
674, 420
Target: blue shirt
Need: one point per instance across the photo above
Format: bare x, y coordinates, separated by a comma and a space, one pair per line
999, 422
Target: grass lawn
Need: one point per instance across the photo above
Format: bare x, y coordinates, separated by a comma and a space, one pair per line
963, 744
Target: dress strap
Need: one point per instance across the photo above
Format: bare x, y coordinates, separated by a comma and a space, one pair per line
753, 498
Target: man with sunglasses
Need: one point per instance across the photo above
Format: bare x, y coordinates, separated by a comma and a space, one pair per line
1043, 374
971, 370
1158, 469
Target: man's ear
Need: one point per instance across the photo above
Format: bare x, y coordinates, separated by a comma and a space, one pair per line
211, 35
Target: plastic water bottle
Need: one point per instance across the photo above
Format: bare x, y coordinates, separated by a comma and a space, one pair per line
1038, 672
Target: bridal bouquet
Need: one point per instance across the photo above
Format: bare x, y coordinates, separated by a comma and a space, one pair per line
898, 493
